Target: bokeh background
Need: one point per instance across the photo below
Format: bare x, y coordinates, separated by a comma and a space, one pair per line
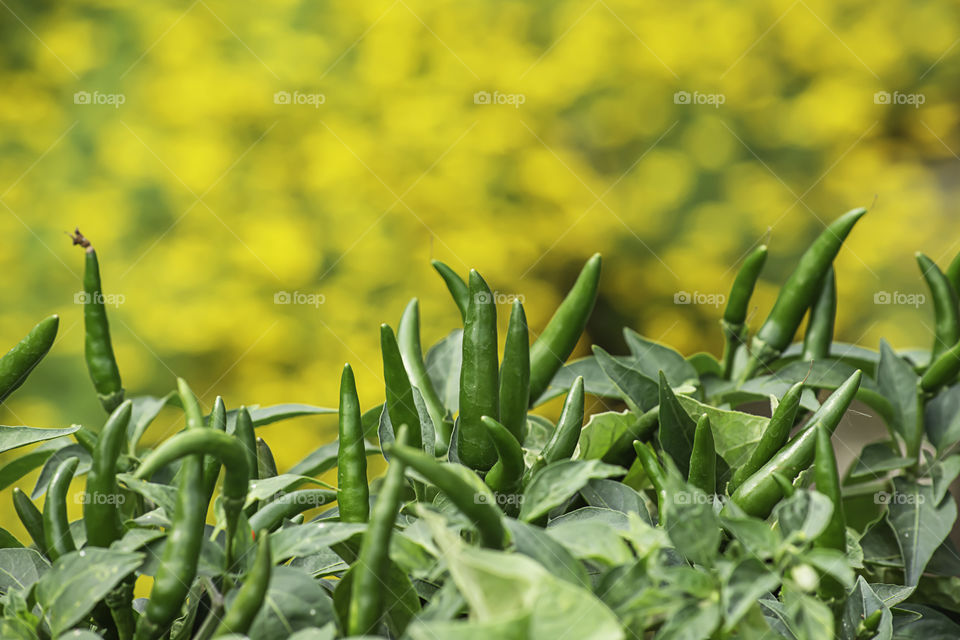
219, 153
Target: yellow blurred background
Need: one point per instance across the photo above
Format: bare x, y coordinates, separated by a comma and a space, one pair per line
218, 154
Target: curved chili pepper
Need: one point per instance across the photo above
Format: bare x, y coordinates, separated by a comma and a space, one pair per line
485, 516
17, 363
247, 436
655, 473
506, 474
563, 442
101, 362
557, 340
943, 370
211, 465
56, 525
399, 391
735, 313
773, 437
455, 284
31, 518
799, 292
946, 312
953, 274
239, 617
408, 337
479, 378
289, 505
515, 374
834, 535
353, 494
373, 562
823, 313
760, 492
703, 458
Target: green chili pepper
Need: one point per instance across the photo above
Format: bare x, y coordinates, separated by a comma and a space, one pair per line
703, 458
773, 438
760, 492
735, 314
86, 439
400, 405
953, 274
799, 292
17, 363
823, 313
178, 564
56, 525
101, 513
373, 562
353, 494
515, 374
408, 337
249, 599
621, 452
455, 284
101, 363
247, 436
506, 474
289, 505
825, 474
657, 476
266, 467
946, 312
211, 465
479, 378
555, 344
31, 518
563, 442
485, 516
943, 370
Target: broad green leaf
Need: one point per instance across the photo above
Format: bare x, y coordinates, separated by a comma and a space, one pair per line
919, 523
50, 467
811, 619
591, 533
651, 357
635, 388
735, 434
21, 568
8, 540
325, 458
310, 538
744, 584
878, 459
136, 538
78, 581
861, 603
210, 563
143, 412
320, 564
15, 437
898, 383
595, 381
23, 464
443, 366
266, 487
941, 419
535, 543
615, 495
917, 622
692, 523
695, 621
602, 431
756, 536
558, 481
706, 364
162, 495
833, 563
510, 629
294, 601
803, 516
676, 427
944, 473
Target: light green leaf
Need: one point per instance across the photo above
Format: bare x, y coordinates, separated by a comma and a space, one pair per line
639, 391
610, 494
307, 539
860, 604
50, 467
898, 383
294, 601
919, 523
744, 584
535, 543
735, 434
266, 487
558, 481
591, 533
803, 516
15, 437
443, 367
325, 458
602, 431
652, 357
20, 568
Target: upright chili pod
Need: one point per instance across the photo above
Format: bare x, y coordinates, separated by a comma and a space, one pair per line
825, 474
773, 437
178, 564
735, 313
211, 465
479, 378
563, 442
101, 362
942, 371
239, 617
455, 284
408, 337
399, 391
953, 274
247, 436
266, 465
945, 310
703, 458
101, 513
485, 516
373, 562
557, 340
799, 292
56, 525
353, 494
17, 363
823, 313
655, 473
760, 492
506, 474
515, 374
31, 518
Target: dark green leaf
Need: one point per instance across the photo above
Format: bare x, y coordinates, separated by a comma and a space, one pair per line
919, 523
535, 543
294, 601
676, 428
556, 482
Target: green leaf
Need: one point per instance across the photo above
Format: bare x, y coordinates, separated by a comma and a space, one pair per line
558, 481
20, 568
50, 467
692, 523
636, 389
706, 364
810, 618
267, 487
595, 381
735, 434
803, 516
676, 428
294, 601
325, 458
744, 584
898, 383
311, 538
591, 533
944, 473
144, 410
695, 621
24, 464
8, 540
263, 416
162, 495
756, 536
878, 459
652, 357
861, 603
443, 367
919, 523
617, 496
602, 431
923, 623
15, 437
401, 602
534, 542
941, 420
78, 581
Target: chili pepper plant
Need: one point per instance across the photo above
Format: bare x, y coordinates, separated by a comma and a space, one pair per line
675, 514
